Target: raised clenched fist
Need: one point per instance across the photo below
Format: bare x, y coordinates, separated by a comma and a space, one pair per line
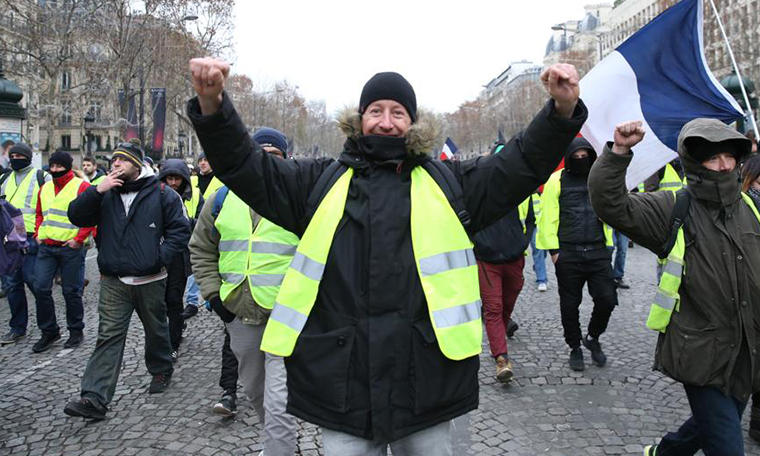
627, 135
208, 76
562, 82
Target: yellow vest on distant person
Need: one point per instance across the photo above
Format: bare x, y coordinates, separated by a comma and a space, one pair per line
24, 196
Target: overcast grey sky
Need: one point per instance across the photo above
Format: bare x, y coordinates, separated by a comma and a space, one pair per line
447, 50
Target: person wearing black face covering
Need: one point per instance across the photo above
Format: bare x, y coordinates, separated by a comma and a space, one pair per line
580, 245
60, 249
21, 188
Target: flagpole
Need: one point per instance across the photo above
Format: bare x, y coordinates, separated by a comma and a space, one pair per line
736, 68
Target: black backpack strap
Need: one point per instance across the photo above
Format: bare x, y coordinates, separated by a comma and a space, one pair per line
677, 219
452, 188
40, 178
324, 183
221, 195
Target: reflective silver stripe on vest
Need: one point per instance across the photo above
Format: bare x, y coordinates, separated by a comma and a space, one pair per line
308, 267
29, 211
235, 245
67, 226
232, 278
266, 280
670, 184
666, 302
273, 248
446, 261
672, 268
458, 315
30, 192
288, 317
57, 212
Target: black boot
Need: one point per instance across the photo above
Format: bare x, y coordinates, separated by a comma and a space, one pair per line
46, 341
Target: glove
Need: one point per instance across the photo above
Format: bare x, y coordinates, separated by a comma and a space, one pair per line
218, 307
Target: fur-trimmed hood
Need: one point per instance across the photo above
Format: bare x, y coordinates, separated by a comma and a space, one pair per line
420, 138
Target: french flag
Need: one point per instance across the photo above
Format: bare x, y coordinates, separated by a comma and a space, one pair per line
659, 76
448, 150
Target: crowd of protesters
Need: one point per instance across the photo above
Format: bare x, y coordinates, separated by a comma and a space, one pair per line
326, 276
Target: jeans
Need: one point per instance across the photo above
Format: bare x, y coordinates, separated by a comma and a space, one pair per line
265, 382
500, 284
539, 261
572, 273
193, 292
714, 426
15, 286
621, 249
50, 259
435, 440
117, 301
175, 288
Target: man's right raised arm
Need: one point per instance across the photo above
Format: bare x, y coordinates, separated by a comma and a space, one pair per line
275, 188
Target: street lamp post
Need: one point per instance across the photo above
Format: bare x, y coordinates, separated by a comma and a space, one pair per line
89, 122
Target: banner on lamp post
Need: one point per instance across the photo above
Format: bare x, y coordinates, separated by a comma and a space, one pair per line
158, 105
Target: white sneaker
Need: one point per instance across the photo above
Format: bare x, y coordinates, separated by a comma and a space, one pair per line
542, 287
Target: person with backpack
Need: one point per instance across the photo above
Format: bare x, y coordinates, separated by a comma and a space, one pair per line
239, 260
142, 228
378, 315
707, 306
60, 249
21, 187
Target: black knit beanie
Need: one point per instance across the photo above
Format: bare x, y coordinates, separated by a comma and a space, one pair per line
62, 158
22, 149
130, 152
389, 86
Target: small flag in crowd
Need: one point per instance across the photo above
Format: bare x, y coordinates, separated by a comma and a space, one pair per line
449, 149
660, 76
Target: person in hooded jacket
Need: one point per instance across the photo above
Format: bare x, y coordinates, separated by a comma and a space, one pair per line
142, 228
707, 318
500, 250
381, 332
60, 248
580, 246
176, 174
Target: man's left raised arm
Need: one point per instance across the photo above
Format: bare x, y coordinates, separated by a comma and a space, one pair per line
494, 185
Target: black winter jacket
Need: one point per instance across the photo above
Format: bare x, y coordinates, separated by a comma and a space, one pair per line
138, 244
367, 362
505, 241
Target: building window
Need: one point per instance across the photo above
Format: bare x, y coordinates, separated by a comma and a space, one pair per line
65, 81
66, 142
66, 114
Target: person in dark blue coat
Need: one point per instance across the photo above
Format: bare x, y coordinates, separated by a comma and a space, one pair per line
142, 228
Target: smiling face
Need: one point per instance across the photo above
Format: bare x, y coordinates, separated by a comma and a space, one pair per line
386, 118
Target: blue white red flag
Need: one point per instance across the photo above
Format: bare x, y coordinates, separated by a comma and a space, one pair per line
449, 149
660, 76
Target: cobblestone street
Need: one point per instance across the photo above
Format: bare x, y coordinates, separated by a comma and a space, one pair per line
547, 409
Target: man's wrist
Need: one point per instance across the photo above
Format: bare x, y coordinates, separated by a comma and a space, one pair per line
565, 109
210, 105
620, 150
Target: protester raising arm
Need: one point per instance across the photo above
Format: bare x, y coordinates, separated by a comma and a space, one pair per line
643, 217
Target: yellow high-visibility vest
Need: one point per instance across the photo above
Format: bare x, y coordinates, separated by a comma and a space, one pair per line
671, 181
55, 220
24, 196
547, 238
445, 264
192, 204
261, 256
213, 186
668, 298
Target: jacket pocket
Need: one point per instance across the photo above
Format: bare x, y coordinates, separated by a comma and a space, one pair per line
437, 380
689, 353
319, 368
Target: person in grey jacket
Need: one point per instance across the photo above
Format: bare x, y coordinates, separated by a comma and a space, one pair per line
711, 342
